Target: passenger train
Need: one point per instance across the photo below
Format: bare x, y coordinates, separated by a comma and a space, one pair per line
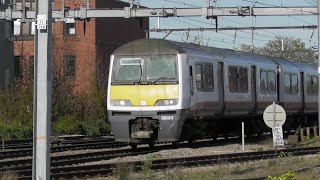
166, 91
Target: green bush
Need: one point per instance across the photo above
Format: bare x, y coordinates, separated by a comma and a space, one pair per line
68, 124
71, 113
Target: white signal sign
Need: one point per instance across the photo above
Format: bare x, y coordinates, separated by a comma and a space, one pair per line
41, 22
274, 115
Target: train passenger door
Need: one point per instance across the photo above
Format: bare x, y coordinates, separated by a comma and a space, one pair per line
278, 84
221, 86
254, 88
302, 101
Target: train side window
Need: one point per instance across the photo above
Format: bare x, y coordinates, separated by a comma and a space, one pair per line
199, 76
291, 83
309, 85
315, 85
208, 77
294, 84
287, 83
233, 79
238, 79
243, 79
263, 81
312, 85
272, 81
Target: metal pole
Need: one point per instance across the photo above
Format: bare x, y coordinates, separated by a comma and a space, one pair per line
318, 10
242, 135
44, 78
34, 155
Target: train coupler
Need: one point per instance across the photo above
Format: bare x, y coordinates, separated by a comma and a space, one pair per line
144, 128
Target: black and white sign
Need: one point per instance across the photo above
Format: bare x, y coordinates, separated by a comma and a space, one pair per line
41, 22
277, 136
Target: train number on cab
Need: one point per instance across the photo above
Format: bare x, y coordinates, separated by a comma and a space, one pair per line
166, 118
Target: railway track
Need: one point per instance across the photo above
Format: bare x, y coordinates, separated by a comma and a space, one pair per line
5, 154
105, 169
65, 140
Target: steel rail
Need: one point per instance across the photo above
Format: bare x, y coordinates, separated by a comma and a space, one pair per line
105, 169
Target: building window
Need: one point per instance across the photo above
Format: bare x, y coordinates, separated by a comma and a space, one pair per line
312, 85
70, 67
238, 79
17, 67
31, 66
69, 26
291, 83
24, 28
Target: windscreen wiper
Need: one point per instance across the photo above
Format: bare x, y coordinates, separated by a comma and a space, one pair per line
153, 82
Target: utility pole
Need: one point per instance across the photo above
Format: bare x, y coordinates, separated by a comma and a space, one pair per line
318, 15
43, 61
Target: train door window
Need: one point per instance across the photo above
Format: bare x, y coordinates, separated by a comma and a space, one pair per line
272, 81
199, 77
287, 83
243, 79
263, 81
208, 77
294, 84
233, 79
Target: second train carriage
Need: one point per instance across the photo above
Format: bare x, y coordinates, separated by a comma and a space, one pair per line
166, 91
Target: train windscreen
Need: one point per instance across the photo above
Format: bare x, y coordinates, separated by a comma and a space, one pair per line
160, 69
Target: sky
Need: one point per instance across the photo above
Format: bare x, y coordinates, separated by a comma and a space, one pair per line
233, 39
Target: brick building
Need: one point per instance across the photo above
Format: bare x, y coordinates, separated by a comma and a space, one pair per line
81, 49
6, 51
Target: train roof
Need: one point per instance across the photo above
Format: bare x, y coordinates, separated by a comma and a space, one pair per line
160, 46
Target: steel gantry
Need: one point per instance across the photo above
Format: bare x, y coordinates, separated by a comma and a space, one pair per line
44, 16
134, 12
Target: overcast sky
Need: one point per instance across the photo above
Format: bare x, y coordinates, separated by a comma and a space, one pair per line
232, 39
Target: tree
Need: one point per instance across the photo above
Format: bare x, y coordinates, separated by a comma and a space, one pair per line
294, 49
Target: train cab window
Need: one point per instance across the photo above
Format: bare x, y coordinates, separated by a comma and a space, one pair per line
238, 79
199, 77
291, 83
312, 85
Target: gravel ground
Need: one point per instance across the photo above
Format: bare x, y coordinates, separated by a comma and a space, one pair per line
173, 153
186, 152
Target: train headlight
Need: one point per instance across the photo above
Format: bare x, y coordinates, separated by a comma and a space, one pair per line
120, 103
167, 102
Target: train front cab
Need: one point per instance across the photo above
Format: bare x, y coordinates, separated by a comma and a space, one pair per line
145, 92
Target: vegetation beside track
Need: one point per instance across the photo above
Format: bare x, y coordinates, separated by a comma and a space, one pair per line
283, 167
72, 113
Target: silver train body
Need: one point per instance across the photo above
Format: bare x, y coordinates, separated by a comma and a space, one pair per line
166, 91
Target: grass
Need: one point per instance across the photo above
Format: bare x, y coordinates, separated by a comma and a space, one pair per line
8, 176
282, 167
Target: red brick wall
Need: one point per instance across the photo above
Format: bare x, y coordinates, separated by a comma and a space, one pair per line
91, 45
